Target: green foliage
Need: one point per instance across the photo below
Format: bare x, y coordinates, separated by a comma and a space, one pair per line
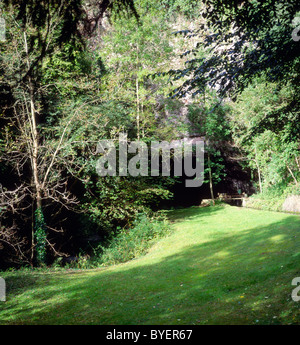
87, 89
116, 201
187, 8
263, 105
170, 10
265, 128
131, 53
209, 118
78, 96
40, 236
242, 40
133, 242
216, 165
273, 197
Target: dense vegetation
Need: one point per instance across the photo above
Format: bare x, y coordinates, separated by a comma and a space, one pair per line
75, 72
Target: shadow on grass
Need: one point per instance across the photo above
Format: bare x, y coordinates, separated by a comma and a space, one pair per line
242, 278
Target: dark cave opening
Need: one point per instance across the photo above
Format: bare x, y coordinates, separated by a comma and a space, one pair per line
236, 182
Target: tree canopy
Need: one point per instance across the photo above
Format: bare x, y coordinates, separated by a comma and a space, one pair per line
242, 39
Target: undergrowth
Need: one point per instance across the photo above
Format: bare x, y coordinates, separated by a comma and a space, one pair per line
131, 243
272, 198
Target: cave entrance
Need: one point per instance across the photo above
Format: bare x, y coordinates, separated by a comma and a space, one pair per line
235, 185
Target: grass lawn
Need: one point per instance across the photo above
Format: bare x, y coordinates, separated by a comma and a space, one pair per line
221, 265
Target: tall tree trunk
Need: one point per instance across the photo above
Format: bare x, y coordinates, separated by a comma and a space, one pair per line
258, 172
35, 150
37, 200
137, 108
293, 176
34, 134
297, 162
210, 179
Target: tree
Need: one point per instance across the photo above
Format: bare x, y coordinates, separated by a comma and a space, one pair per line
34, 30
40, 36
266, 129
131, 54
242, 39
243, 45
208, 118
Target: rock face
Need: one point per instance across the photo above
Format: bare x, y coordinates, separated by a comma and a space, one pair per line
292, 204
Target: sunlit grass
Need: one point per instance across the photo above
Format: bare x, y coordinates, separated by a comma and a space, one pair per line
221, 265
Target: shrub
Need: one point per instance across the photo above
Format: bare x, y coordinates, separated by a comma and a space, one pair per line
132, 243
279, 197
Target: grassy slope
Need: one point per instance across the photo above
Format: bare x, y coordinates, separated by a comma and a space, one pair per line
222, 265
